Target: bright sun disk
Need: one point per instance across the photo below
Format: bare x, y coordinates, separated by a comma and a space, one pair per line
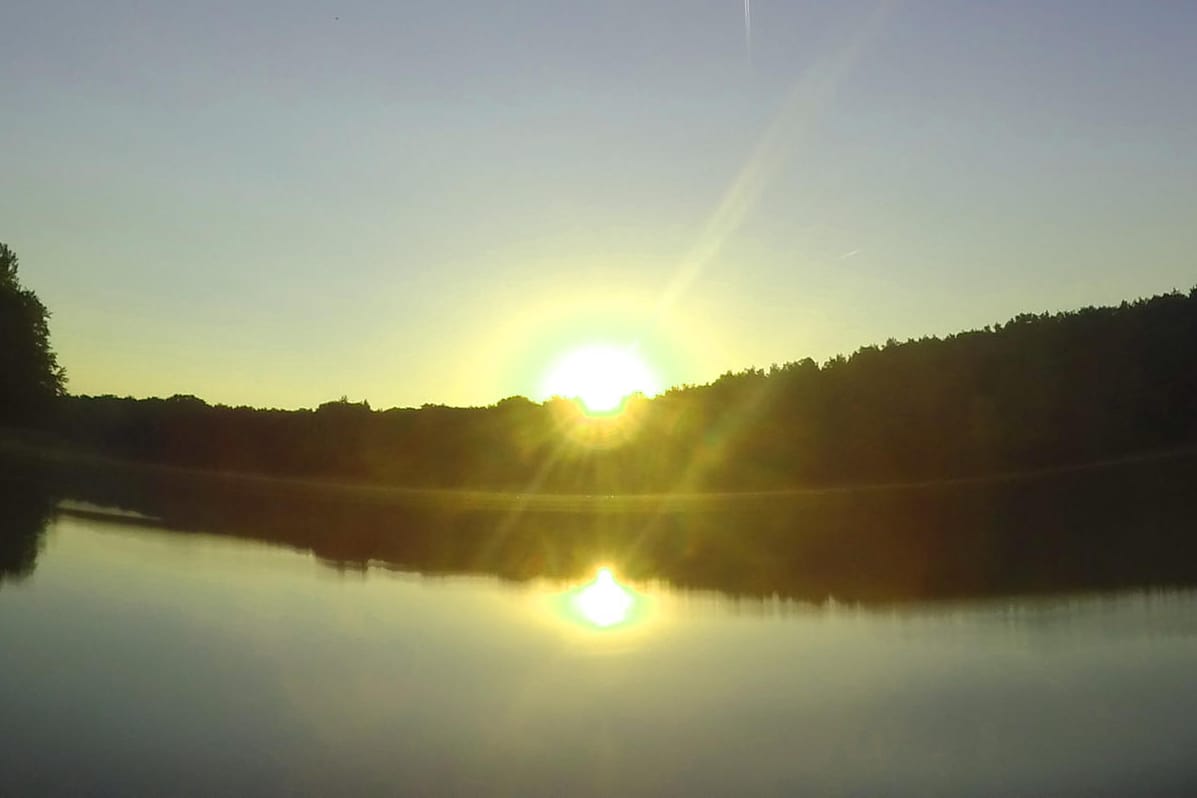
601, 377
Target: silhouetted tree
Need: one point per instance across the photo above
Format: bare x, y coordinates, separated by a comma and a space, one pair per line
30, 377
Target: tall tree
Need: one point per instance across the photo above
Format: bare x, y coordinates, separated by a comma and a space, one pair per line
30, 377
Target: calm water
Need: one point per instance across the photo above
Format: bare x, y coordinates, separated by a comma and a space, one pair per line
138, 660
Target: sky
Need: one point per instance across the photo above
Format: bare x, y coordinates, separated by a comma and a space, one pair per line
280, 203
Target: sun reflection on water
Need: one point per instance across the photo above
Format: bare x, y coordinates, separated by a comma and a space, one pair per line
603, 603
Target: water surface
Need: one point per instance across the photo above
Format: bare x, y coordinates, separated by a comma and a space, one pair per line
136, 659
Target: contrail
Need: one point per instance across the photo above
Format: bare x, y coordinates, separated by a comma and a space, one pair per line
748, 27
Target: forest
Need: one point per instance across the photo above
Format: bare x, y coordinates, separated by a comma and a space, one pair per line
1037, 392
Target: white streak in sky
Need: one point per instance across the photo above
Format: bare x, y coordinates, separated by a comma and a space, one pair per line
748, 28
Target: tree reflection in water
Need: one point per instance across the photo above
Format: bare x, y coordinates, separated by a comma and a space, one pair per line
1119, 526
26, 507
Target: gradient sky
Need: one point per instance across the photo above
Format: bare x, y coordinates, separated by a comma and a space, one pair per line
277, 203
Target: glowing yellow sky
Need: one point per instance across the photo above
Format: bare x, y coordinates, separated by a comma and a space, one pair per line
269, 209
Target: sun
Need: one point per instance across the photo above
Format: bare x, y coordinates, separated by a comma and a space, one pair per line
601, 376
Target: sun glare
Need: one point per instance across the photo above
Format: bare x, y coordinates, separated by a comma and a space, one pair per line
601, 377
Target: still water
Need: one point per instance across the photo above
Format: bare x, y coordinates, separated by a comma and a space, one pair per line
136, 660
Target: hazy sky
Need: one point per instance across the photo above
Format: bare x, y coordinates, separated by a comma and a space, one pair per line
279, 203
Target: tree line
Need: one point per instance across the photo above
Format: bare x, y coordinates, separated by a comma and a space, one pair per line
1039, 391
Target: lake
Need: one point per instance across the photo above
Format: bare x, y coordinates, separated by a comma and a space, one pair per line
139, 660
144, 655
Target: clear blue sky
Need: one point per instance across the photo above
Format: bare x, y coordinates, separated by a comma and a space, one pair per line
279, 203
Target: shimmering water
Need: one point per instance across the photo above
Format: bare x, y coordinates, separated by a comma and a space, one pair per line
135, 660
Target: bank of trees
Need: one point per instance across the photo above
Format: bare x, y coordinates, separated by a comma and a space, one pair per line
1037, 391
30, 378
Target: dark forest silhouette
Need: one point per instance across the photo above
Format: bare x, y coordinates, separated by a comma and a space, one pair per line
1039, 391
